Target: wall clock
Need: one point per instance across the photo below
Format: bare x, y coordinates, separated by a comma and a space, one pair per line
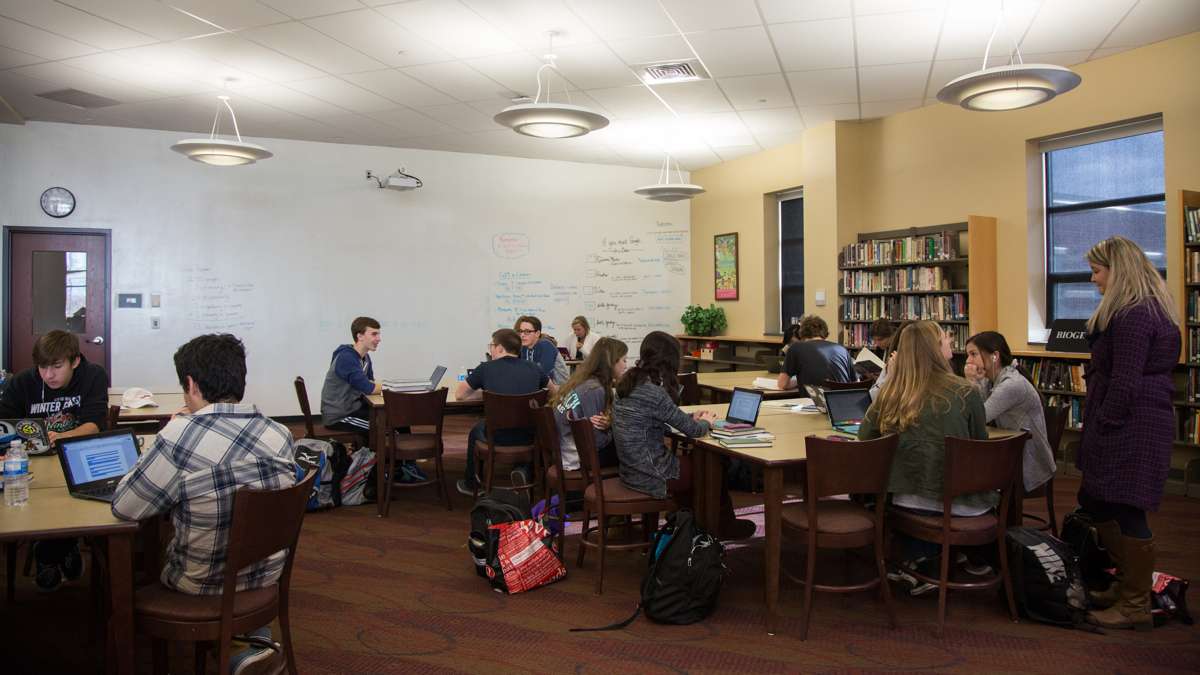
58, 202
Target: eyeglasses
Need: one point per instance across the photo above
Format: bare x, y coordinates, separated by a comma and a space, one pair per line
527, 332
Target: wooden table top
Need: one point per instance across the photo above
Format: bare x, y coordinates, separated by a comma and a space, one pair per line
54, 512
450, 382
168, 404
47, 469
725, 382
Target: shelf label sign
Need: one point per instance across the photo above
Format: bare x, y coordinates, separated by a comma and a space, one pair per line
1068, 335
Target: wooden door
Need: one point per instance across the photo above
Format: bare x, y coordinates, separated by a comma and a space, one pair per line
56, 279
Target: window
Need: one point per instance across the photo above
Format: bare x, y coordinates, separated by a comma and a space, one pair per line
791, 259
1099, 185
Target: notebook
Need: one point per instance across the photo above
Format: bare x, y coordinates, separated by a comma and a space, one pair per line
417, 385
33, 431
94, 464
847, 408
743, 408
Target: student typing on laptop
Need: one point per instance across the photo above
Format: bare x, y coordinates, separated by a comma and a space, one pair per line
196, 464
70, 395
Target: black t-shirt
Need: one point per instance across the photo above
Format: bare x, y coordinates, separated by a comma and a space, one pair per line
83, 400
509, 375
812, 362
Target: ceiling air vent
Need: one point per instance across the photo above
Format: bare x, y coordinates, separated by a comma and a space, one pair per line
79, 99
674, 71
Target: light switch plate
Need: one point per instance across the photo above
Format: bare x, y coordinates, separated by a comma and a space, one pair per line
820, 297
154, 323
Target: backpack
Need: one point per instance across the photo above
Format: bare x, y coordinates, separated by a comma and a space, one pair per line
1079, 533
357, 476
685, 568
313, 455
1047, 583
511, 550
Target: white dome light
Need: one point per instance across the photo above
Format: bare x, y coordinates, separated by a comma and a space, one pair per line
219, 152
551, 120
664, 191
1009, 87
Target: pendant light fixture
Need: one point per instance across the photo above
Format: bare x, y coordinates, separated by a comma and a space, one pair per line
543, 119
220, 152
1016, 85
666, 191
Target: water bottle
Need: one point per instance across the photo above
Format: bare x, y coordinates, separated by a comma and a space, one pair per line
16, 475
462, 374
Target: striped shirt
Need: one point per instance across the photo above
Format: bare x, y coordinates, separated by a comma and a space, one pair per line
196, 464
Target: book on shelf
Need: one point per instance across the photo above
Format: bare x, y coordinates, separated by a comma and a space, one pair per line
901, 250
1193, 305
1193, 350
1074, 405
1054, 374
1191, 220
1193, 385
951, 307
857, 335
903, 280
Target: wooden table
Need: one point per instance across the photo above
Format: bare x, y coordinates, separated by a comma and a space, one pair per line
720, 385
169, 403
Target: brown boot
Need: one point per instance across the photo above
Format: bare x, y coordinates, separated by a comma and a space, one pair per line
1132, 608
1109, 535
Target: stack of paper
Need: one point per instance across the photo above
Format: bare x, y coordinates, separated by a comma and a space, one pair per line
766, 383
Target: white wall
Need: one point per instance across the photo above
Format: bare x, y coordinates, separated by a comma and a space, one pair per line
294, 247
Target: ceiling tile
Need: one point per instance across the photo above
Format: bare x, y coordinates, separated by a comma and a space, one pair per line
885, 108
823, 87
460, 116
1067, 25
285, 98
185, 114
1107, 51
120, 66
812, 45
946, 71
516, 71
968, 24
410, 122
727, 154
736, 51
178, 57
629, 102
303, 9
772, 122
343, 94
694, 159
780, 11
528, 22
820, 114
1153, 21
251, 57
11, 58
775, 140
756, 91
1059, 58
693, 15
74, 24
63, 76
694, 97
868, 7
145, 16
310, 46
380, 38
230, 14
722, 130
877, 43
593, 66
892, 83
362, 129
651, 49
451, 26
618, 19
396, 86
458, 80
38, 42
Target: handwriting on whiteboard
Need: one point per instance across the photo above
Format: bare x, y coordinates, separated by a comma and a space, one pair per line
510, 245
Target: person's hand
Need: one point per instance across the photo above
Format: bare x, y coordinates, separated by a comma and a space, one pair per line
971, 372
53, 436
601, 422
183, 410
704, 416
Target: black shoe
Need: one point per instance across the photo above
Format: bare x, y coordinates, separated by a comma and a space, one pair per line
72, 564
465, 487
49, 578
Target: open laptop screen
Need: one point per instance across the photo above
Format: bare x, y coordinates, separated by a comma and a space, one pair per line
95, 458
847, 406
743, 406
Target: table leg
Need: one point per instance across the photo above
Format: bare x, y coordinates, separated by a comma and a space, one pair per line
379, 445
773, 511
698, 458
120, 588
714, 478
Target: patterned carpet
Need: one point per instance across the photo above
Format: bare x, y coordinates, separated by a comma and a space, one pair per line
399, 595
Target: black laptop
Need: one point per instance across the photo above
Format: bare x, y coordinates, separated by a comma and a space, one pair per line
94, 464
743, 408
847, 408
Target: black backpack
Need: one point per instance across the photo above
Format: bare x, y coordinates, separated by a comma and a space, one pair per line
683, 579
1047, 583
1079, 532
498, 506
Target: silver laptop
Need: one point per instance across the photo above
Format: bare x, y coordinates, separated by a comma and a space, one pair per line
30, 430
93, 465
417, 385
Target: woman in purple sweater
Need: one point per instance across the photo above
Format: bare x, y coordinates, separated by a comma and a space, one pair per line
1128, 422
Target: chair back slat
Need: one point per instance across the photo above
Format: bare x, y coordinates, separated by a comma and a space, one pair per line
589, 457
841, 467
305, 409
415, 409
510, 411
546, 432
1056, 423
691, 388
265, 522
981, 465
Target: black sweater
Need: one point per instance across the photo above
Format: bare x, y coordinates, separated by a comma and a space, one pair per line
83, 400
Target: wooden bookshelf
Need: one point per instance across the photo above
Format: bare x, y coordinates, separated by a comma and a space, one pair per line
959, 286
1186, 457
728, 352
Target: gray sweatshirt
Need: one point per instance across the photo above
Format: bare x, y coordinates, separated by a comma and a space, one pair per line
581, 403
639, 424
1013, 403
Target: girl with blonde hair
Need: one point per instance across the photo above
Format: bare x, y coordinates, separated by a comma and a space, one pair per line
582, 340
1128, 421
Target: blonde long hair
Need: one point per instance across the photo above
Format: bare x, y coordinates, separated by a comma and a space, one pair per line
919, 373
600, 364
1132, 279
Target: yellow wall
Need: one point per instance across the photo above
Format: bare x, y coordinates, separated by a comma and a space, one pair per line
937, 165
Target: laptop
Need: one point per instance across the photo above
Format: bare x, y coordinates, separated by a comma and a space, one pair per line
32, 431
94, 464
847, 408
417, 385
566, 353
743, 408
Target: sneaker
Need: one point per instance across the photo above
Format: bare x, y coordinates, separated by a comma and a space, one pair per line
922, 588
262, 656
412, 473
902, 575
49, 578
73, 565
520, 477
465, 487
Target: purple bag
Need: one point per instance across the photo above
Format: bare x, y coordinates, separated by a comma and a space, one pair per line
550, 518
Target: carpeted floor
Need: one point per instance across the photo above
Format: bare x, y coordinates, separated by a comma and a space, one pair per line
400, 595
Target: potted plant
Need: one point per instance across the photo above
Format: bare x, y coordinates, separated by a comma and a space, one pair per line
699, 321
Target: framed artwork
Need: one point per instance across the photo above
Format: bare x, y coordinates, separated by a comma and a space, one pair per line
725, 258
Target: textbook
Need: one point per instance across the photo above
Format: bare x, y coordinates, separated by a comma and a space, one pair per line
753, 442
721, 432
768, 383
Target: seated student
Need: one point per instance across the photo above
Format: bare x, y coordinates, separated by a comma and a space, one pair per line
505, 373
881, 332
589, 394
892, 345
349, 380
1011, 401
814, 359
541, 350
580, 345
196, 464
647, 403
791, 335
71, 396
923, 401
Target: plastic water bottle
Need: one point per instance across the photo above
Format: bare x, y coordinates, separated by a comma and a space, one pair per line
16, 475
462, 374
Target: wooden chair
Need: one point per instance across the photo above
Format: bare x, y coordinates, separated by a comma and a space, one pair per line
501, 412
691, 389
606, 497
263, 523
114, 416
1056, 422
839, 386
838, 468
404, 411
971, 466
319, 431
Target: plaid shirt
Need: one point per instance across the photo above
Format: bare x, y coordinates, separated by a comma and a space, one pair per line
196, 464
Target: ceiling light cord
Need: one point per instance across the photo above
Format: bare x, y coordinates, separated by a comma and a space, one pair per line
1015, 48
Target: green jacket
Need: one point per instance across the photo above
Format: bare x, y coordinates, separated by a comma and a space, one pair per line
918, 466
